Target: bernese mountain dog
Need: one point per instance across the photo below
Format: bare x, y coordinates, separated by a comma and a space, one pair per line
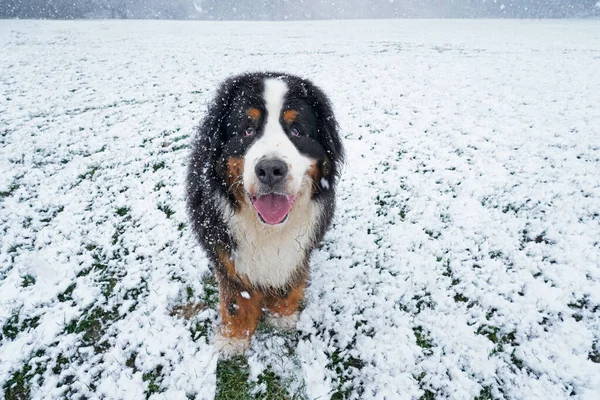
261, 194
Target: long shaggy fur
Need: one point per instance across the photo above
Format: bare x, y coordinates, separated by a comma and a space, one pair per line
215, 191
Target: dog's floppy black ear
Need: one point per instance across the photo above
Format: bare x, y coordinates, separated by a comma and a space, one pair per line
328, 129
210, 132
207, 142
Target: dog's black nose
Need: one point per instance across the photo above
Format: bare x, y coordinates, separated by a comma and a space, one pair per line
271, 171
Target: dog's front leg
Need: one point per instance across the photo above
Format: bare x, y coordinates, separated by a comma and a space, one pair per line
240, 311
284, 309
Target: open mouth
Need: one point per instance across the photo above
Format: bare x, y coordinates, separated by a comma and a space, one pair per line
273, 208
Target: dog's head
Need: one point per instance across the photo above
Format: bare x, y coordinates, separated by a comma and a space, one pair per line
274, 139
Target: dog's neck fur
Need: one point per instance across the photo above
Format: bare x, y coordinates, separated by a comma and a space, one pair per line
268, 256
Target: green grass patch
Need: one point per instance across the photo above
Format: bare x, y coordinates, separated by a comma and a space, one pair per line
210, 291
108, 286
423, 302
86, 271
510, 208
189, 292
232, 379
180, 137
153, 378
13, 326
13, 250
208, 299
200, 329
93, 326
10, 329
11, 189
117, 235
59, 365
517, 362
594, 355
345, 366
122, 211
433, 234
485, 394
181, 146
491, 332
494, 335
274, 387
169, 212
428, 394
422, 340
30, 323
130, 363
579, 304
18, 386
158, 165
89, 174
460, 298
28, 280
135, 293
233, 382
67, 295
51, 214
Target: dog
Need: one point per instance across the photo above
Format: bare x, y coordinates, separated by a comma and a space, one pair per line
264, 166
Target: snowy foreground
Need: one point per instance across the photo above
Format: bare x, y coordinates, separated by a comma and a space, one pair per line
465, 257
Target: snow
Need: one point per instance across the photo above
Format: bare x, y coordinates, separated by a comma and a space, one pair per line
465, 254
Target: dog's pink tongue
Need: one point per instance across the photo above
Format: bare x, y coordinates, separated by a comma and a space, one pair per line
273, 207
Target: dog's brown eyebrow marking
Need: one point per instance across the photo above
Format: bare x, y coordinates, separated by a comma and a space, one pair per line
254, 113
289, 116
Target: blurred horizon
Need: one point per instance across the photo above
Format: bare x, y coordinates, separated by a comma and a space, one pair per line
281, 10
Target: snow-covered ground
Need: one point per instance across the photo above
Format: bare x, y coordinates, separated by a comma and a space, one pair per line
465, 257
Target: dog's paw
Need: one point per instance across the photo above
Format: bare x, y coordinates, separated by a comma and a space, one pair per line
231, 347
286, 322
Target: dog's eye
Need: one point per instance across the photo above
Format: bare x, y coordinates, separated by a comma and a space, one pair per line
249, 131
295, 131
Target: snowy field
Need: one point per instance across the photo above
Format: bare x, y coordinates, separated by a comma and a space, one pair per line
464, 262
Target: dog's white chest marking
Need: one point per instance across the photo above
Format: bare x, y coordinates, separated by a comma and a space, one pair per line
268, 255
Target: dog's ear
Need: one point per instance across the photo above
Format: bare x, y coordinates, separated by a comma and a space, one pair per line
327, 130
208, 141
211, 130
210, 133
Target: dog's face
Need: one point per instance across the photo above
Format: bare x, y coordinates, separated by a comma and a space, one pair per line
276, 145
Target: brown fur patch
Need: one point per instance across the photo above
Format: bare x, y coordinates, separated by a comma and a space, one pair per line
226, 261
254, 113
283, 306
234, 177
289, 116
239, 315
314, 174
